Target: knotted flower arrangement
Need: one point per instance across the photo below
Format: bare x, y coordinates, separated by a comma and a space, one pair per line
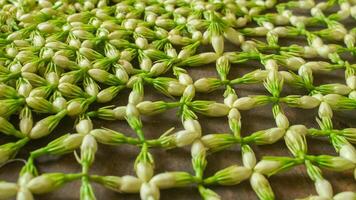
67, 58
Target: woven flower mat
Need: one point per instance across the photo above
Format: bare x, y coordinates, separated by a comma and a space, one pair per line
177, 99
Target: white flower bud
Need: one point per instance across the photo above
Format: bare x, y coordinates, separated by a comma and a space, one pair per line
234, 114
192, 125
249, 46
349, 40
280, 31
52, 78
149, 191
131, 110
122, 75
74, 108
325, 110
24, 89
185, 79
230, 99
306, 4
47, 27
218, 44
348, 152
135, 97
60, 103
84, 126
301, 129
351, 82
158, 68
24, 194
282, 121
308, 102
267, 166
309, 52
294, 62
352, 95
7, 190
317, 42
249, 159
305, 70
345, 195
120, 112
197, 149
171, 179
332, 99
105, 95
130, 184
141, 42
206, 84
88, 149
287, 76
323, 188
231, 175
271, 65
270, 136
217, 110
30, 67
324, 51
233, 36
261, 186
185, 137
45, 183
144, 171
176, 89
26, 125
24, 179
244, 103
337, 88
146, 64
268, 25
207, 57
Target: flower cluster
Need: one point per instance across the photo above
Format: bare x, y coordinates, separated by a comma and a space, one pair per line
64, 58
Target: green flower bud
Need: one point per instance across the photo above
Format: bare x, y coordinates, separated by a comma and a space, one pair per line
216, 142
24, 194
172, 179
151, 108
7, 190
40, 104
323, 188
107, 136
149, 191
7, 128
127, 184
334, 163
207, 84
200, 59
64, 144
268, 136
185, 137
261, 186
273, 165
9, 106
7, 92
295, 142
88, 149
345, 195
46, 125
229, 176
48, 182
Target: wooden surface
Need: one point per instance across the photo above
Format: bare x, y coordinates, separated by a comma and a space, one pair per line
119, 160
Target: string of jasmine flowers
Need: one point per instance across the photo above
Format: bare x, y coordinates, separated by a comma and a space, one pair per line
64, 58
